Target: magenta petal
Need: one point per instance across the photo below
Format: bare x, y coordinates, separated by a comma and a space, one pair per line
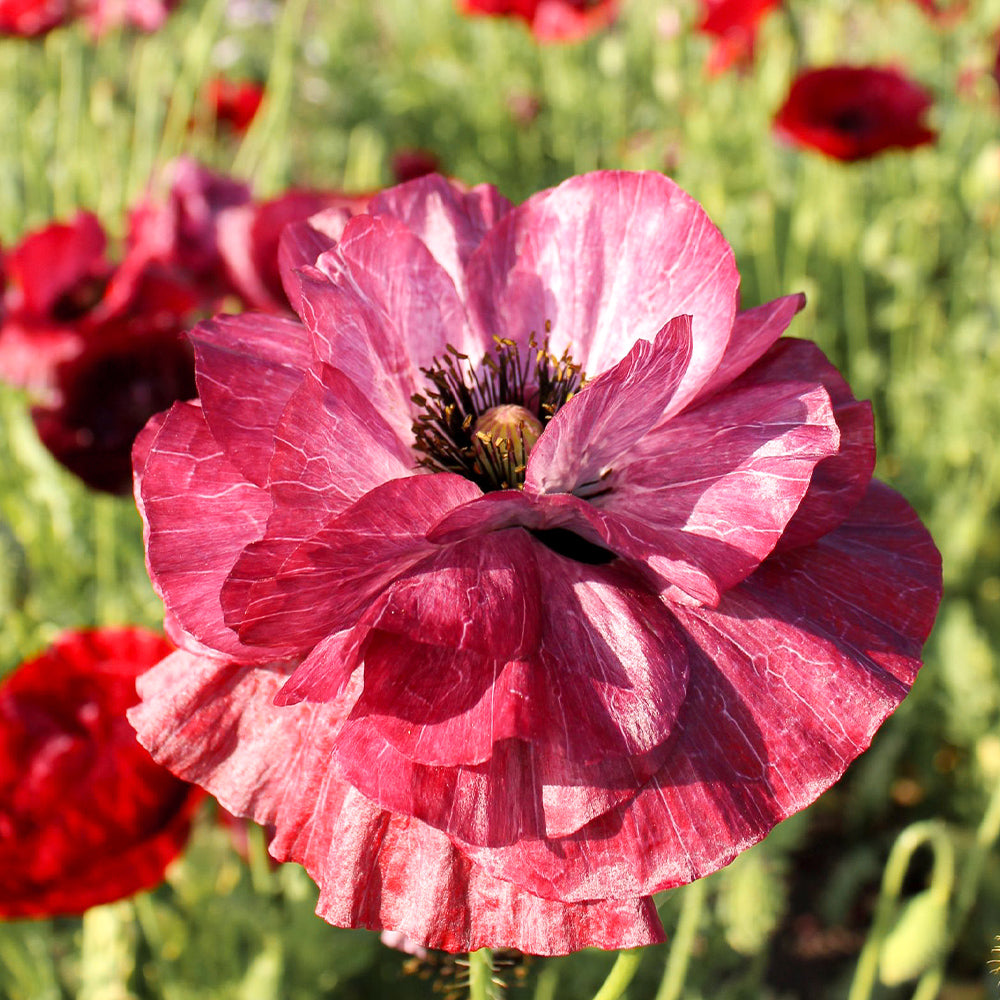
790, 678
200, 512
331, 446
326, 583
482, 594
451, 223
215, 723
396, 281
611, 413
246, 369
301, 243
754, 331
723, 479
568, 257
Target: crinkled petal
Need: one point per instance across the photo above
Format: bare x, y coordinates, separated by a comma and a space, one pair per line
326, 583
215, 723
720, 481
450, 222
247, 367
564, 262
301, 243
610, 414
331, 446
791, 675
199, 512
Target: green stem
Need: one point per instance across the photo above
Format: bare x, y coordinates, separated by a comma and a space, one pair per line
621, 974
480, 974
929, 832
263, 154
679, 957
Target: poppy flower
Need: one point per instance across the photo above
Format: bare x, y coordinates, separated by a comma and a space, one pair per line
145, 15
734, 25
234, 102
853, 113
408, 164
86, 816
29, 18
527, 576
550, 20
944, 14
98, 345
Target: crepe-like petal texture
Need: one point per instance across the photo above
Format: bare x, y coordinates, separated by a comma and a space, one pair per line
854, 112
527, 577
86, 815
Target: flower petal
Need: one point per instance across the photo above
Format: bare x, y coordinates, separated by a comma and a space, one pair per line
326, 583
450, 222
301, 243
566, 258
610, 414
246, 369
200, 512
791, 675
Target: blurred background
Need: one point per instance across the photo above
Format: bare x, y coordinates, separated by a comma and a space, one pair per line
897, 251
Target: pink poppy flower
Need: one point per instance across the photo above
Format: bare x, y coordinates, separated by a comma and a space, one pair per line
86, 816
527, 576
145, 15
853, 112
734, 25
550, 20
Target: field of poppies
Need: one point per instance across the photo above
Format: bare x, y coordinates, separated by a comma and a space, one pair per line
502, 580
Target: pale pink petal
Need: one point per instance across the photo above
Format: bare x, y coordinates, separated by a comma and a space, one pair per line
606, 417
791, 675
450, 222
246, 369
200, 512
604, 260
327, 582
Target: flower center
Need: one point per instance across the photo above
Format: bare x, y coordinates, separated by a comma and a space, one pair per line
481, 420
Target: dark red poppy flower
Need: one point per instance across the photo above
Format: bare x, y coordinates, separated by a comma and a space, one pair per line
550, 20
181, 229
86, 816
409, 164
234, 102
853, 112
29, 18
526, 577
734, 25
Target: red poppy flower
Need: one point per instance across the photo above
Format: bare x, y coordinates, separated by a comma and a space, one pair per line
526, 577
943, 14
235, 102
853, 113
409, 164
86, 816
550, 20
734, 24
29, 18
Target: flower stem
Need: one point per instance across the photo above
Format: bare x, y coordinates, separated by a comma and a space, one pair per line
680, 950
480, 974
621, 974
